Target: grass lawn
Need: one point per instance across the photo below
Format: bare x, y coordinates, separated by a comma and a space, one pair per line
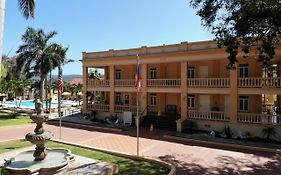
7, 120
126, 166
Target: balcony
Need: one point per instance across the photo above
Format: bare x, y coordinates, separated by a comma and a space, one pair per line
97, 83
208, 115
208, 82
124, 83
98, 107
254, 118
259, 82
163, 82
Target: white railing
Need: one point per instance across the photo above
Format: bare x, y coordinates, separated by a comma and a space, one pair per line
98, 83
125, 83
259, 118
208, 82
98, 107
258, 82
163, 82
208, 115
122, 108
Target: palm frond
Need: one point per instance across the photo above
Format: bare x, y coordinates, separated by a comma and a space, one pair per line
27, 8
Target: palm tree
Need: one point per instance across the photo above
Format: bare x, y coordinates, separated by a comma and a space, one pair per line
37, 57
27, 8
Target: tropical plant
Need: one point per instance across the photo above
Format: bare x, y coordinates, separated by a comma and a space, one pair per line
243, 24
37, 57
27, 8
227, 132
269, 132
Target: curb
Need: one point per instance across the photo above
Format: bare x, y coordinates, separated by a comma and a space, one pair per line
66, 123
228, 145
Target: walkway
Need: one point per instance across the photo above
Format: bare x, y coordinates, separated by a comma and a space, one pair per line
189, 159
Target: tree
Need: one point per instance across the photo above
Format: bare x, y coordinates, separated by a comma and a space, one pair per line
245, 24
27, 8
37, 57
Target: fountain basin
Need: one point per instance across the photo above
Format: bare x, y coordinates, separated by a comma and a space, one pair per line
24, 163
39, 138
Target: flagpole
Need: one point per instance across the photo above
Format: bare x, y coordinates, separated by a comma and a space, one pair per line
138, 112
59, 102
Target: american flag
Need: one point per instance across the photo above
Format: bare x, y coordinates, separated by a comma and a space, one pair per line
60, 83
138, 78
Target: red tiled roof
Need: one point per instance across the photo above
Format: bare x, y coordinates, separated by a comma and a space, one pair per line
76, 81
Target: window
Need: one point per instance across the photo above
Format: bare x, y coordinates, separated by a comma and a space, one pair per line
244, 70
244, 103
191, 72
191, 101
117, 74
118, 99
127, 100
152, 73
153, 99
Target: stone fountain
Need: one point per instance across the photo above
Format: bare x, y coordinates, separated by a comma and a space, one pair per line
37, 162
40, 136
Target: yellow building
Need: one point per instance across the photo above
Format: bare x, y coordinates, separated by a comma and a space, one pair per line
189, 81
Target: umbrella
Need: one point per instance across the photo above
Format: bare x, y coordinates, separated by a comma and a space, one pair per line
79, 93
66, 93
2, 94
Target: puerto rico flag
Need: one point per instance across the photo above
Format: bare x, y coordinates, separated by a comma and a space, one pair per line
138, 78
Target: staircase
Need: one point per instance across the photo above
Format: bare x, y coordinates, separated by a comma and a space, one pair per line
161, 122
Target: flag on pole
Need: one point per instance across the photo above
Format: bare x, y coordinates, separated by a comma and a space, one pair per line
138, 78
60, 83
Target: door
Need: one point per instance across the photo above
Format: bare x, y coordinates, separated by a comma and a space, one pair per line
226, 104
204, 103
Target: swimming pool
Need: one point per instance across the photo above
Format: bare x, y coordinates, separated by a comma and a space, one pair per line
31, 105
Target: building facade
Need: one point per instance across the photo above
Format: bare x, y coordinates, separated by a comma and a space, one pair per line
190, 81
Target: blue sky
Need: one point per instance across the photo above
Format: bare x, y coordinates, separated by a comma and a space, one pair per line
97, 25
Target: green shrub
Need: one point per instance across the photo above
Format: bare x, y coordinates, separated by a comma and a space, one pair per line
227, 132
269, 132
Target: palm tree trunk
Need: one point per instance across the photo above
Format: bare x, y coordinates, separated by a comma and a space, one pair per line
42, 78
2, 14
50, 91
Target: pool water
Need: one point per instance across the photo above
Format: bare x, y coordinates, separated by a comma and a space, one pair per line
30, 104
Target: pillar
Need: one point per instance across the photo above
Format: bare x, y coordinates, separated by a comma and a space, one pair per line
183, 98
183, 90
111, 91
143, 99
233, 96
85, 86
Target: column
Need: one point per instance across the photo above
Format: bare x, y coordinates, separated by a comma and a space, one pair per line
85, 87
143, 96
183, 90
233, 102
111, 87
183, 97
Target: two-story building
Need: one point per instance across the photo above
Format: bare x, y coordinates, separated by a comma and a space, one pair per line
189, 81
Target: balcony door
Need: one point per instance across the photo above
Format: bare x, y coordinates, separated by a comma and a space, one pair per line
226, 104
204, 103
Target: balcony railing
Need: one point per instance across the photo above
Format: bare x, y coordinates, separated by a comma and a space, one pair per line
258, 82
125, 83
208, 115
98, 83
163, 82
259, 118
208, 82
122, 108
98, 107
